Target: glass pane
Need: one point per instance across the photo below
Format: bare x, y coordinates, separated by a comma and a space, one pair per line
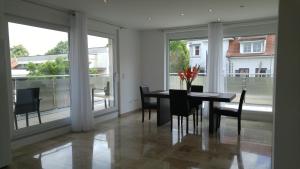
253, 72
101, 72
182, 55
39, 59
257, 46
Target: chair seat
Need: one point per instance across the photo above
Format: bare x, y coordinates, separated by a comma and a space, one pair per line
150, 105
226, 111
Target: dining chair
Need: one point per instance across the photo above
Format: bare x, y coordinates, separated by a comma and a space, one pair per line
27, 101
180, 107
146, 102
222, 111
196, 104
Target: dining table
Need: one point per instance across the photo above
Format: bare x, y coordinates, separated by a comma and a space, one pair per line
163, 104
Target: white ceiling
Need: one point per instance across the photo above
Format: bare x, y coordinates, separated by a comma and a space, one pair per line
167, 13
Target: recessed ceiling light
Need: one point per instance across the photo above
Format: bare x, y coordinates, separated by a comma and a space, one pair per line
210, 10
219, 19
149, 18
181, 14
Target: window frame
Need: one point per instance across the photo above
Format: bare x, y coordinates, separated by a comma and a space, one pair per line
243, 43
116, 87
197, 50
44, 127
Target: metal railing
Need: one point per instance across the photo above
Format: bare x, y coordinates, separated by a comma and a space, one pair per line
259, 86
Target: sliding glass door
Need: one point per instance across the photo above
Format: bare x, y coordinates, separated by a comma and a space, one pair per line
101, 73
40, 74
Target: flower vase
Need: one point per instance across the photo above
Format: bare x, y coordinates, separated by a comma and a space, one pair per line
188, 86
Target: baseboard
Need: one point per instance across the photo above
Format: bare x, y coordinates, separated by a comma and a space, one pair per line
130, 112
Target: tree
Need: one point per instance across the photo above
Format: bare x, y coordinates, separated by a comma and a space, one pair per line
179, 56
60, 48
58, 67
18, 51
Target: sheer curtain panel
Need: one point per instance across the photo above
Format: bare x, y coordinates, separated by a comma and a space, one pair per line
81, 112
216, 69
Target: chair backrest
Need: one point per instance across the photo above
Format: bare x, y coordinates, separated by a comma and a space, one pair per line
144, 90
197, 88
27, 100
179, 104
107, 89
242, 100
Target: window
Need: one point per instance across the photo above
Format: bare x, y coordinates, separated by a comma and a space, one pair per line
179, 59
253, 72
257, 47
247, 47
260, 72
242, 72
197, 50
39, 59
252, 47
101, 72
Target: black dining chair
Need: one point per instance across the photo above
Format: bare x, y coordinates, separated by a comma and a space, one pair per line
197, 104
146, 102
27, 101
222, 111
180, 107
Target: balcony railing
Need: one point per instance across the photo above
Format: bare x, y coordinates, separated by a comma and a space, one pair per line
259, 86
54, 94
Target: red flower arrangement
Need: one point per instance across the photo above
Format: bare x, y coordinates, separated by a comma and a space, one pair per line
189, 75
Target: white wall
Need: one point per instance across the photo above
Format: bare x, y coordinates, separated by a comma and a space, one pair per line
130, 70
5, 153
287, 108
153, 61
252, 63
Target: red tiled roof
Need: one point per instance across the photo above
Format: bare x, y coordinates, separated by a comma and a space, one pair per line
234, 46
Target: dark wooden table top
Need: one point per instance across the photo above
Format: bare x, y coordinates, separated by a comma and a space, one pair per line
205, 96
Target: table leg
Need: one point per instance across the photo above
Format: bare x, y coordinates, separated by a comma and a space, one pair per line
212, 119
163, 111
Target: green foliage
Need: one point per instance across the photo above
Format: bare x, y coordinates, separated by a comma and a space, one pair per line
179, 56
18, 51
58, 67
61, 48
93, 71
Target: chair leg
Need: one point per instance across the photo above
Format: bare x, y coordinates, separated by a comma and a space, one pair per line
16, 122
178, 122
187, 124
149, 114
201, 112
143, 114
171, 122
197, 116
181, 120
194, 122
39, 116
239, 125
27, 121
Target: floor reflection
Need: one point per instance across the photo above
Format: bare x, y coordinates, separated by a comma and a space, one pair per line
127, 143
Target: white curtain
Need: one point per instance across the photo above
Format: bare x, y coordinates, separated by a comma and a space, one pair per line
81, 111
215, 72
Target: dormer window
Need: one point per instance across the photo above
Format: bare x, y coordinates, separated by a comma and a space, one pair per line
252, 47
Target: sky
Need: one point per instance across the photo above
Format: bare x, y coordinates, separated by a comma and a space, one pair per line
39, 40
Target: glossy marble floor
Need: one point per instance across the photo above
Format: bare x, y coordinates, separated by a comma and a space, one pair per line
127, 143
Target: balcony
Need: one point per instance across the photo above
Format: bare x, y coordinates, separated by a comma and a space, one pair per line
55, 96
